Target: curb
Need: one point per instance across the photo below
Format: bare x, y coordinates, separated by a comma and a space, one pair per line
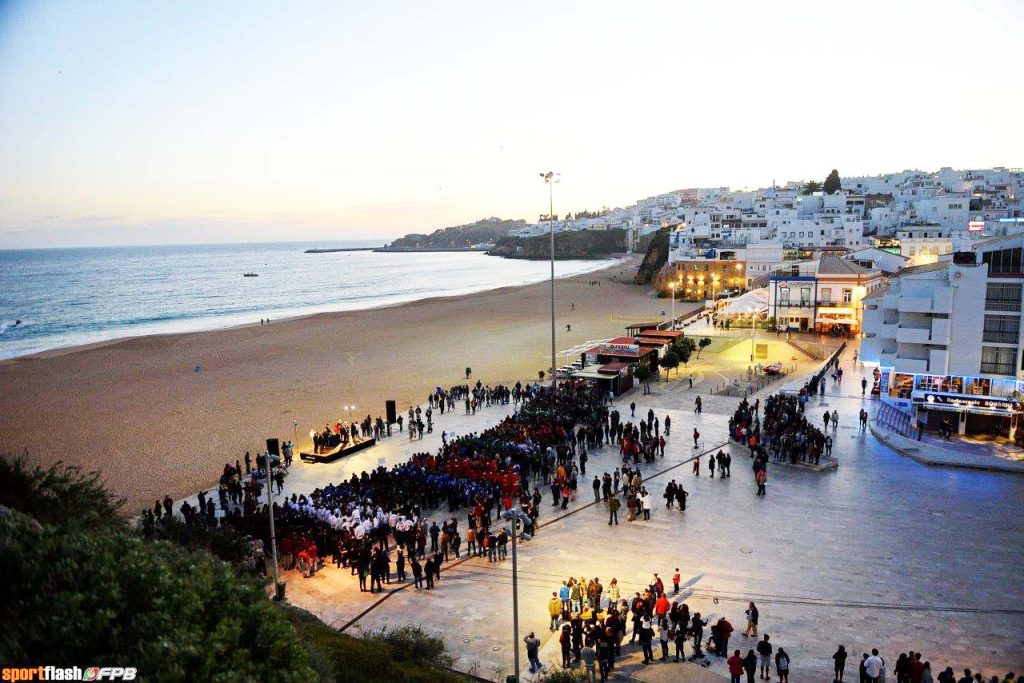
914, 454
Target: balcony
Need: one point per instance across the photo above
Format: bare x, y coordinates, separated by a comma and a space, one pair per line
887, 331
942, 301
938, 361
910, 364
940, 331
909, 304
913, 335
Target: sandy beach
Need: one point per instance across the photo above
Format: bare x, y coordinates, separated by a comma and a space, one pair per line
137, 411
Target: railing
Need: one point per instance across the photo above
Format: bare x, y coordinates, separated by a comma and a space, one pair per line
743, 387
895, 419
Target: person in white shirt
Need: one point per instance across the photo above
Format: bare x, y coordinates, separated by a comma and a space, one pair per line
873, 666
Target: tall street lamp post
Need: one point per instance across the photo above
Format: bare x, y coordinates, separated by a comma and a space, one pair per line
673, 286
551, 178
751, 334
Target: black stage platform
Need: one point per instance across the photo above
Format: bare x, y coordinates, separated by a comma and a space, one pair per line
337, 452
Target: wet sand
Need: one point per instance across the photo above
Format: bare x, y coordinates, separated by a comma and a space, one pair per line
138, 412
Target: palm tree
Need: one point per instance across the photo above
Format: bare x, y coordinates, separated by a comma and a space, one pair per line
811, 186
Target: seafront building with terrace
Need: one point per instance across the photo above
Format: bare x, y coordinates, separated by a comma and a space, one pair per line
947, 339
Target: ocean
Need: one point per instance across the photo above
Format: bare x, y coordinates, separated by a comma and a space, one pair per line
68, 297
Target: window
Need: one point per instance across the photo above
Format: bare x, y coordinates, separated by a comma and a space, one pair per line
1003, 297
805, 296
784, 296
1003, 260
1001, 329
826, 296
847, 296
998, 360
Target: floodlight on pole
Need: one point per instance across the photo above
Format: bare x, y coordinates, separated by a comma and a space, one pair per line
550, 178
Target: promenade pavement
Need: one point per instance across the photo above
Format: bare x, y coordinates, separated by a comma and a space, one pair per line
881, 552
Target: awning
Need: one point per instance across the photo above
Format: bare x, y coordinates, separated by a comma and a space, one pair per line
741, 305
839, 321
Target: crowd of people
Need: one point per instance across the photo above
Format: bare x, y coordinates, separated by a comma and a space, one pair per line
593, 622
376, 521
785, 434
909, 667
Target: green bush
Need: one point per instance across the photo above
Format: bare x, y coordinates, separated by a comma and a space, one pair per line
338, 657
61, 495
109, 597
564, 676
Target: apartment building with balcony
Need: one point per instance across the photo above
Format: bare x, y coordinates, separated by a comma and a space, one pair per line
947, 339
823, 295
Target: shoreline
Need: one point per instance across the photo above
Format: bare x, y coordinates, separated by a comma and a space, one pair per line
615, 260
136, 410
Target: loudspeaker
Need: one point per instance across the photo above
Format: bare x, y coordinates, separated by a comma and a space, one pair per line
392, 412
273, 447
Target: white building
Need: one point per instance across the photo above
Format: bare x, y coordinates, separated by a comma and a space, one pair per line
947, 338
880, 259
823, 295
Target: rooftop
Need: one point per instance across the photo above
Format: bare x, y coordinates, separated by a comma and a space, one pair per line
833, 265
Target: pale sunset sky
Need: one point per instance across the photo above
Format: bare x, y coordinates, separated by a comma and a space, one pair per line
126, 122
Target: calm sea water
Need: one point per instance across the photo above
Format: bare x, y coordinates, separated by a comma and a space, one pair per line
66, 297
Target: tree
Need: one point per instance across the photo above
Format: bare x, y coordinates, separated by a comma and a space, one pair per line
832, 183
811, 186
684, 348
670, 361
703, 344
643, 373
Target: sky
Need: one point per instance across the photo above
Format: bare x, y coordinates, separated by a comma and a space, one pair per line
173, 122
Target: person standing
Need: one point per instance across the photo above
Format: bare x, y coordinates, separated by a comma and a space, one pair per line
735, 667
613, 510
532, 652
863, 386
646, 636
764, 652
555, 611
835, 421
604, 656
696, 438
840, 663
632, 409
750, 665
873, 666
589, 657
782, 665
697, 405
752, 616
681, 496
711, 465
597, 488
761, 478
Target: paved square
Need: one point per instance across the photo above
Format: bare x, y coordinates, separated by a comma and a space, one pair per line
881, 552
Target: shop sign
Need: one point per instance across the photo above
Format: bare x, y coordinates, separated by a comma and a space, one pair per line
614, 349
967, 402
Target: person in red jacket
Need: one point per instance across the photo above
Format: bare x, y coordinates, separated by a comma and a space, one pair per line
661, 606
735, 667
722, 639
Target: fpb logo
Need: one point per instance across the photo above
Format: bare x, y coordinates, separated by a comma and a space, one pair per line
110, 673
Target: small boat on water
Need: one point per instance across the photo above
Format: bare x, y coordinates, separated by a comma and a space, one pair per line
250, 274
